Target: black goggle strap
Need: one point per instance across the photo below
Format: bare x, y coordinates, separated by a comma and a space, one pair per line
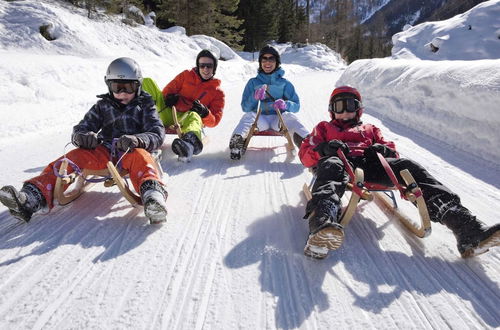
345, 104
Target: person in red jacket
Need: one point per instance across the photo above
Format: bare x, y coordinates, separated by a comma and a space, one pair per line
197, 97
360, 142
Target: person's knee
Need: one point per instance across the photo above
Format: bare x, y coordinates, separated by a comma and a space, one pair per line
331, 168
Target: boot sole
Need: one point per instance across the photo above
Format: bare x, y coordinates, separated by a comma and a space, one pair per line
318, 245
236, 154
483, 246
155, 213
178, 150
9, 199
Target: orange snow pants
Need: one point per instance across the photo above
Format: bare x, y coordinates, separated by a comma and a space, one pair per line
139, 163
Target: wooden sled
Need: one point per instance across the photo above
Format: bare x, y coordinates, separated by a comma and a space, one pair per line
70, 186
254, 131
367, 191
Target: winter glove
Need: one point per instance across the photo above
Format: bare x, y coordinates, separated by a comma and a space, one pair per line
200, 109
279, 105
87, 140
327, 149
260, 93
371, 151
171, 99
127, 142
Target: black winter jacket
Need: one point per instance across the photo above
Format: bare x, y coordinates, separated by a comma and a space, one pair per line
111, 119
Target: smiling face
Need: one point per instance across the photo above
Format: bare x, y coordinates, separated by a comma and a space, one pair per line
268, 63
345, 116
206, 67
124, 98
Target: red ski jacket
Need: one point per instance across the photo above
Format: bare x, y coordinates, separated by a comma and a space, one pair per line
190, 87
357, 136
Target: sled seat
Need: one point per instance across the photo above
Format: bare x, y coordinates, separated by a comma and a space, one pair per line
268, 132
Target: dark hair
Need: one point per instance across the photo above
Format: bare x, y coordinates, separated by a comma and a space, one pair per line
206, 53
268, 49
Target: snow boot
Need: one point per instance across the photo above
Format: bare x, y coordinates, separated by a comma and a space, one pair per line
22, 204
297, 139
236, 145
154, 197
187, 146
325, 233
473, 237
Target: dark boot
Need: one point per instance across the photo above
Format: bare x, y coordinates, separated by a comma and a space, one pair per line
325, 233
22, 204
154, 197
236, 145
187, 146
297, 139
473, 237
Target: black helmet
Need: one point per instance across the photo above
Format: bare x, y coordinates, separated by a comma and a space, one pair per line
206, 53
268, 49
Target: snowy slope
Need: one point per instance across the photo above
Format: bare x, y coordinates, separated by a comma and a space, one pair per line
230, 255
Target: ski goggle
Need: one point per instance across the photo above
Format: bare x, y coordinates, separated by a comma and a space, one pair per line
271, 59
346, 104
129, 87
206, 65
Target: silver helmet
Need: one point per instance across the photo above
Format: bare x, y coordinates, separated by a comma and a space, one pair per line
124, 68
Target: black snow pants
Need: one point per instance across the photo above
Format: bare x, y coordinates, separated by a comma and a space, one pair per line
332, 178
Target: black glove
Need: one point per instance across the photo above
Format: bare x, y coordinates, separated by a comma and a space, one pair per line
171, 99
200, 109
87, 140
126, 142
330, 148
384, 150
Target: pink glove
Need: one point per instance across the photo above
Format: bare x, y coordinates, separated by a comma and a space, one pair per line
260, 93
279, 104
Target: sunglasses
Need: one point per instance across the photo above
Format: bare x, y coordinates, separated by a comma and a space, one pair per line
206, 65
343, 105
129, 87
271, 59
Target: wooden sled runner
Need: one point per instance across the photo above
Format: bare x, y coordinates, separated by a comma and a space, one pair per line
70, 186
175, 129
367, 191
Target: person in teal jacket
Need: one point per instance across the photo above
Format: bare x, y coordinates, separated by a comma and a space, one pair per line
274, 93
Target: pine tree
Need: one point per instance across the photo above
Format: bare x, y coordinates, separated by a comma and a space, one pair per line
287, 21
226, 24
260, 22
215, 19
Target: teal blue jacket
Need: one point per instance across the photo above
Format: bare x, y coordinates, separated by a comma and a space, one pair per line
277, 86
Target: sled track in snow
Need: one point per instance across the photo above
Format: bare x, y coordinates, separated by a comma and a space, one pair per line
231, 253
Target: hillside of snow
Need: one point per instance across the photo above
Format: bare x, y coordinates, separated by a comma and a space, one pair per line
231, 254
450, 95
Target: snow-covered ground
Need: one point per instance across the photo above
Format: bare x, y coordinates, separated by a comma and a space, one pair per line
230, 255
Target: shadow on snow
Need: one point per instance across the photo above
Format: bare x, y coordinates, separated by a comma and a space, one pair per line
276, 242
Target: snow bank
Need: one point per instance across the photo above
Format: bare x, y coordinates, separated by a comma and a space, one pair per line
314, 56
472, 35
451, 94
223, 51
453, 101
